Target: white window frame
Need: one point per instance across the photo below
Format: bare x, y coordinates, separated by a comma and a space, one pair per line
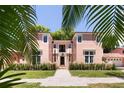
43, 38
89, 56
36, 57
69, 46
78, 37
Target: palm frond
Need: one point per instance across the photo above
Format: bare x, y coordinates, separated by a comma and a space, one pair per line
9, 80
109, 23
72, 15
16, 34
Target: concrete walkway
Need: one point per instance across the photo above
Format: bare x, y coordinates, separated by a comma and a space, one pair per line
63, 77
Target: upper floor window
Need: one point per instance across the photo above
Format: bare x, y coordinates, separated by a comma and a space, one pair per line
79, 38
97, 39
45, 39
123, 51
61, 48
54, 45
69, 46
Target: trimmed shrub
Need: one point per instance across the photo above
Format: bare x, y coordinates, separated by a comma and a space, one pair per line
75, 66
32, 67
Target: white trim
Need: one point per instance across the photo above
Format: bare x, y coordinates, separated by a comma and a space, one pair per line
47, 38
81, 38
89, 56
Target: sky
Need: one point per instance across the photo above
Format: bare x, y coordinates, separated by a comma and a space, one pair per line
51, 16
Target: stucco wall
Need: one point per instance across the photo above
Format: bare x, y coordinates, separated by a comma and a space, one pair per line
44, 47
88, 43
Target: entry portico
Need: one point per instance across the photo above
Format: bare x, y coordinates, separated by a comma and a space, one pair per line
62, 52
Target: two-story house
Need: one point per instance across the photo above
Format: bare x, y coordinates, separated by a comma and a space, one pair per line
82, 48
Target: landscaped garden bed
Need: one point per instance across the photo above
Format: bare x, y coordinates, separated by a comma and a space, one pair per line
95, 70
32, 71
81, 66
45, 66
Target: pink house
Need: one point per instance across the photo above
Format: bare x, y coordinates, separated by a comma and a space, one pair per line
118, 50
116, 56
82, 48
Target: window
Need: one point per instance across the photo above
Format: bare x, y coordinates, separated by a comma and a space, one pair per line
69, 46
123, 51
54, 51
54, 45
98, 39
89, 55
61, 48
120, 59
36, 57
54, 58
45, 38
69, 57
79, 38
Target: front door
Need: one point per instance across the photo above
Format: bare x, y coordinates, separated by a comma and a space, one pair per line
62, 60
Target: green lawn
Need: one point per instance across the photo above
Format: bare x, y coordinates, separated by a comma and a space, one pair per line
98, 73
28, 85
33, 74
105, 85
99, 85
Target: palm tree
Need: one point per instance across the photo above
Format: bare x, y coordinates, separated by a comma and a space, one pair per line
108, 21
6, 82
16, 31
17, 34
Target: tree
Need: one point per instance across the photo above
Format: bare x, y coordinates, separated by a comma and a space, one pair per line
41, 28
16, 31
6, 82
62, 35
108, 21
17, 34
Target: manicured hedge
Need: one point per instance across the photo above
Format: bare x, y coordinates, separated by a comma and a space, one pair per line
32, 67
75, 66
